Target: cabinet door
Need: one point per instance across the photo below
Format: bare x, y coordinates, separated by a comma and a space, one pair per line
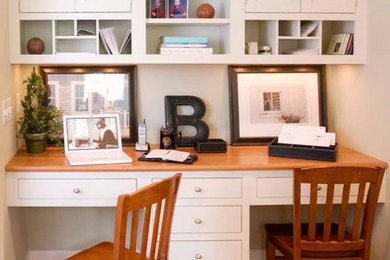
272, 6
103, 6
46, 6
329, 6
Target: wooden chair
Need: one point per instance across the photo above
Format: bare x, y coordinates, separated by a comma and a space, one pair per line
163, 195
327, 240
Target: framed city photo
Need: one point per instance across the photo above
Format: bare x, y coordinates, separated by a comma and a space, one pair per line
178, 8
95, 90
157, 9
264, 98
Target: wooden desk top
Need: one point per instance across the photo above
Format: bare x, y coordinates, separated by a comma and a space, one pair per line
236, 159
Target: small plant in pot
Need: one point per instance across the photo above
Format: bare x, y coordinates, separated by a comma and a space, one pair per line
39, 122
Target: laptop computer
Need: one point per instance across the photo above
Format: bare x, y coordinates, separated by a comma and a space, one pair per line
93, 139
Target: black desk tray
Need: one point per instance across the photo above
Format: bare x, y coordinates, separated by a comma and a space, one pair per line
303, 152
190, 160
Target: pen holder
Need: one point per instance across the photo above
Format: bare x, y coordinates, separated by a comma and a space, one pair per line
169, 140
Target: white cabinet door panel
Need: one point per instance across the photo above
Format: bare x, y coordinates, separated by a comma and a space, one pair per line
103, 6
205, 250
272, 6
46, 6
329, 6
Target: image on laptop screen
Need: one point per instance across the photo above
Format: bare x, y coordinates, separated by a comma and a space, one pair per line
92, 133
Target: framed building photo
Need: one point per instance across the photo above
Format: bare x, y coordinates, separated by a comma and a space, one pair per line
157, 9
178, 8
263, 99
95, 90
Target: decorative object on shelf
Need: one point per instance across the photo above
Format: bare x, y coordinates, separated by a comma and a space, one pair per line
169, 139
95, 90
205, 10
265, 50
157, 8
35, 46
252, 48
39, 122
341, 44
174, 120
259, 96
178, 8
142, 145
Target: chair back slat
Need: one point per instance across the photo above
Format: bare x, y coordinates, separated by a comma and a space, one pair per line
145, 199
322, 237
343, 212
328, 212
313, 212
358, 211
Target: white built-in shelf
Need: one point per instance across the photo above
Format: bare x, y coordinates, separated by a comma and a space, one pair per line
190, 21
235, 23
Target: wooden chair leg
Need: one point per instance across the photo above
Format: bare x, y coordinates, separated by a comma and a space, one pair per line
270, 251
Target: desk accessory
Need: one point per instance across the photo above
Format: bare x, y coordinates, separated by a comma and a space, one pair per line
303, 152
210, 146
142, 145
169, 139
168, 156
173, 120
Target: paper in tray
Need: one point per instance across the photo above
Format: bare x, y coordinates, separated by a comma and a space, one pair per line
191, 159
303, 152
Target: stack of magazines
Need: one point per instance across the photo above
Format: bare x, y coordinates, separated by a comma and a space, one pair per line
184, 45
341, 44
109, 41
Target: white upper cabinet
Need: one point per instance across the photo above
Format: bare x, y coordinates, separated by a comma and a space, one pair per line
103, 6
329, 6
46, 6
273, 6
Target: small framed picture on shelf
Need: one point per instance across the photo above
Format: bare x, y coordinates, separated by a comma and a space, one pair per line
157, 9
178, 9
264, 98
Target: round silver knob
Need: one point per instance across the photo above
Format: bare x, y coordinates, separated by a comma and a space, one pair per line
76, 190
198, 256
198, 221
197, 189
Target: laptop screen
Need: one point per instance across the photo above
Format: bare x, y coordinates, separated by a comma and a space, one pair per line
92, 133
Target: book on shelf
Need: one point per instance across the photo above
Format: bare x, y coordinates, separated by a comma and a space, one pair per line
110, 44
186, 51
314, 51
187, 45
184, 40
341, 44
308, 28
85, 32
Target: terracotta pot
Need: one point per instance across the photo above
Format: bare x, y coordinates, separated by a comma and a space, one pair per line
35, 46
205, 11
36, 143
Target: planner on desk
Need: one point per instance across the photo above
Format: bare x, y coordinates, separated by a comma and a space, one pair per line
168, 155
306, 135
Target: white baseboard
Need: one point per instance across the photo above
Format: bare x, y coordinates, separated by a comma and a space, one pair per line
48, 255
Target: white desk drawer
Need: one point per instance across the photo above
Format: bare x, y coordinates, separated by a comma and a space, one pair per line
205, 250
207, 219
74, 188
210, 188
283, 188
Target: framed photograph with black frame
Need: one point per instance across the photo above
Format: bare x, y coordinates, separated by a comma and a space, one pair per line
264, 98
95, 90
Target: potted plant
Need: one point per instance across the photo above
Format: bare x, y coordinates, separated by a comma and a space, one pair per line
39, 122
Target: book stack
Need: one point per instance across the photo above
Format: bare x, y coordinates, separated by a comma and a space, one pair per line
110, 44
184, 45
341, 44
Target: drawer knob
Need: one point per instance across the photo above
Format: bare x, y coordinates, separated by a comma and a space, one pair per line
198, 190
77, 190
198, 256
198, 221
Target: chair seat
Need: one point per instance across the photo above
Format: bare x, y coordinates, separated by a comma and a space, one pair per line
102, 251
281, 236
